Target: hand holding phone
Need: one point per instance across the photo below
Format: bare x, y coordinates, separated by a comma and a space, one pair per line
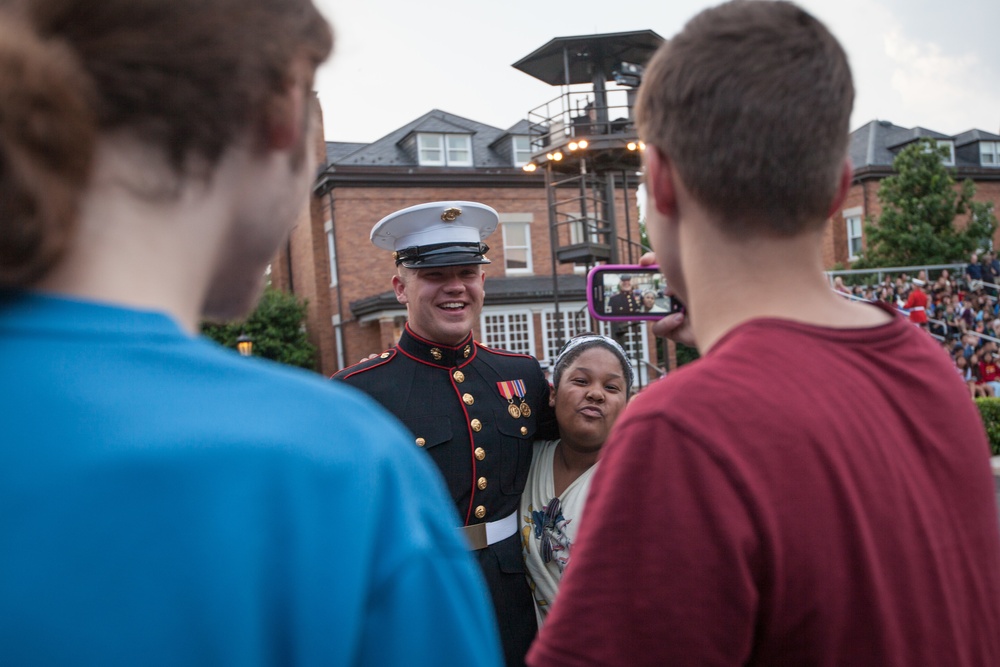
628, 292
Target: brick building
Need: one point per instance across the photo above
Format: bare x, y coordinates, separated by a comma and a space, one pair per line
974, 154
353, 312
330, 261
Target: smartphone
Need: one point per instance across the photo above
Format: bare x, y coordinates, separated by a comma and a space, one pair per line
628, 292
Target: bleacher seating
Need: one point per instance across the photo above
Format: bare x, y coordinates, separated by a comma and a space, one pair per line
962, 313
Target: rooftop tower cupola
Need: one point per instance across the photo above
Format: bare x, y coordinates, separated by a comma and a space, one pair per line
585, 140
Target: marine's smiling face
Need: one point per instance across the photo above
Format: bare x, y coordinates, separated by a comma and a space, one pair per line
442, 302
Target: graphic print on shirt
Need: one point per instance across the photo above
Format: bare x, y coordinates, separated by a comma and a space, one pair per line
550, 530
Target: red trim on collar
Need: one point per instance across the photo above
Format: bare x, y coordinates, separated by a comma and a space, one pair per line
465, 341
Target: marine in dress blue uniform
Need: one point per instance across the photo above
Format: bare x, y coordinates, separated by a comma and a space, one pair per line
624, 301
473, 409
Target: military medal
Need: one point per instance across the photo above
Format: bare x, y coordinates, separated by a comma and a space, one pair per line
507, 390
521, 391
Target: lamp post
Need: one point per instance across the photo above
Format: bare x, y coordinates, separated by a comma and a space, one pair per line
245, 345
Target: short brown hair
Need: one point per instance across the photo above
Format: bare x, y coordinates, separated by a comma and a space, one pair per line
751, 101
186, 77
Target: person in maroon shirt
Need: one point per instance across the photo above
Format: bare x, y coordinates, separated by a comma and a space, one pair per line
989, 371
815, 489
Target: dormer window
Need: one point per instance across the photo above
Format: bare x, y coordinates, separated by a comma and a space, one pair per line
522, 149
949, 146
444, 150
989, 153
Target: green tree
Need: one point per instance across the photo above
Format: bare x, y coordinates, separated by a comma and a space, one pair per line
685, 354
277, 328
919, 205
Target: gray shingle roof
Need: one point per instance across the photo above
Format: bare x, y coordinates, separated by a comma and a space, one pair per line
970, 136
877, 143
338, 150
870, 143
436, 124
919, 133
520, 127
387, 151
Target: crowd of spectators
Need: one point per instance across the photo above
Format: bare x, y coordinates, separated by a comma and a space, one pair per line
960, 310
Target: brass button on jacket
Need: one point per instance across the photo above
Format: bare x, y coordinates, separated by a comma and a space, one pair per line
468, 399
480, 512
481, 483
421, 442
524, 430
477, 425
459, 376
480, 453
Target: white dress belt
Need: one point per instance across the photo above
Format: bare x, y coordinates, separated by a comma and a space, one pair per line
482, 535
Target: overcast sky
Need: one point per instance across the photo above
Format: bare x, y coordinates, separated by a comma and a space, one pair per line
933, 63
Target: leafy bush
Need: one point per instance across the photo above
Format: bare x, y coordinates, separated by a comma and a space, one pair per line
989, 408
277, 328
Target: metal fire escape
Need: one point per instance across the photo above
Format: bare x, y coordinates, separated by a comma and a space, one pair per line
586, 142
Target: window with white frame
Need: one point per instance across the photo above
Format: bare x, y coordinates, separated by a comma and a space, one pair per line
444, 150
853, 236
522, 149
574, 320
511, 331
431, 149
584, 230
331, 248
632, 336
459, 150
949, 146
989, 153
516, 242
338, 336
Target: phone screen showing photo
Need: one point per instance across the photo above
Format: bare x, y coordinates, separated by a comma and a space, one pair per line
628, 293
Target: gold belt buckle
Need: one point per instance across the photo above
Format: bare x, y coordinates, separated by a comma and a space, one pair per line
475, 536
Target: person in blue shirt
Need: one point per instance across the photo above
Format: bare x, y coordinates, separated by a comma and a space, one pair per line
164, 501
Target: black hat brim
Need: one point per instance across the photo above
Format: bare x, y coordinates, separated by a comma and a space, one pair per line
448, 259
444, 254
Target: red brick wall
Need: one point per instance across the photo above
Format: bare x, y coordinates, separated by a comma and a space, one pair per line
865, 194
990, 191
302, 265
